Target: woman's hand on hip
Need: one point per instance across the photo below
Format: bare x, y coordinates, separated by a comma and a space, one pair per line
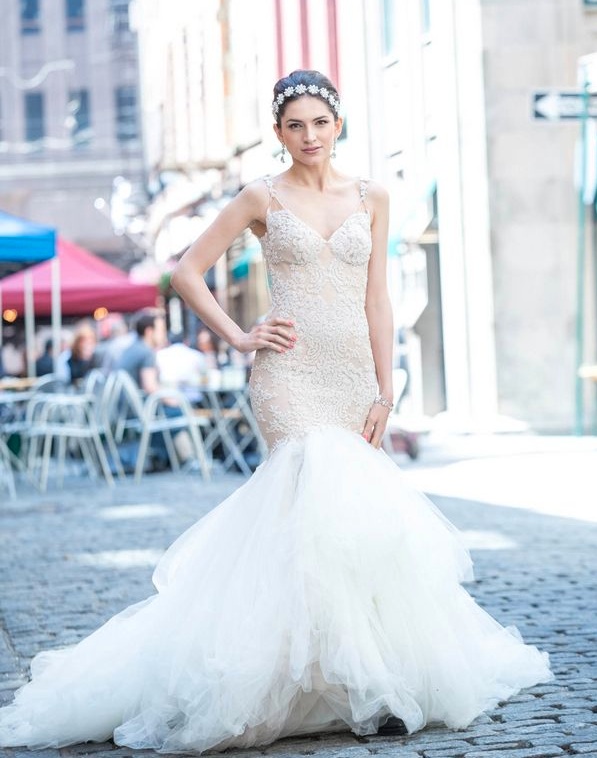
274, 334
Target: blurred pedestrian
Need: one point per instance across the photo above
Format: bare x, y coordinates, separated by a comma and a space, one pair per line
45, 363
208, 345
139, 358
13, 359
182, 367
117, 338
76, 362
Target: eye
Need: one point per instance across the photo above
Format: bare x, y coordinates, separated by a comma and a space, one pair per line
294, 126
322, 122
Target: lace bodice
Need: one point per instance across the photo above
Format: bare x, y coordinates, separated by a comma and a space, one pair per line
328, 378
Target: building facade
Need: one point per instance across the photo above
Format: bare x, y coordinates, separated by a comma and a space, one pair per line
70, 133
532, 49
437, 101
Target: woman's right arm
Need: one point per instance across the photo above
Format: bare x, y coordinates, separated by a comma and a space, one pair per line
188, 276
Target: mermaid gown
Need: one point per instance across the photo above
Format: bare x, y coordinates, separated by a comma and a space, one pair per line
324, 594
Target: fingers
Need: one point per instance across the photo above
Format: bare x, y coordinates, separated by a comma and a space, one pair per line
276, 334
281, 334
369, 430
375, 427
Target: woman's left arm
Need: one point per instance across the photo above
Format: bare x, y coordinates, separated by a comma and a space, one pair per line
379, 314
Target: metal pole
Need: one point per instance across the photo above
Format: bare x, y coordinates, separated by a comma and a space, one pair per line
580, 264
29, 324
56, 310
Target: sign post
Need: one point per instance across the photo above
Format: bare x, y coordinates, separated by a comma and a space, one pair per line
563, 105
587, 79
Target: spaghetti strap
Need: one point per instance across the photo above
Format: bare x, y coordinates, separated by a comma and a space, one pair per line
270, 186
363, 189
273, 195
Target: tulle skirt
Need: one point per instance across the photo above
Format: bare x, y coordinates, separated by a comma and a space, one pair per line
324, 594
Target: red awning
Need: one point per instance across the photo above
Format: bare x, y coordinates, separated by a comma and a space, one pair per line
86, 283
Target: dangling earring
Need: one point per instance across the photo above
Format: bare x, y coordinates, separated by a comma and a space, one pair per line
283, 153
333, 153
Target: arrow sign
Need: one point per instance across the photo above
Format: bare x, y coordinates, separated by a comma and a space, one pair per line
557, 105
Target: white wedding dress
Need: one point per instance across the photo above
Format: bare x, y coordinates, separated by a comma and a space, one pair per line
324, 594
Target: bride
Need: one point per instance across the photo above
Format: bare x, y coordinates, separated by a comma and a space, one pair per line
324, 594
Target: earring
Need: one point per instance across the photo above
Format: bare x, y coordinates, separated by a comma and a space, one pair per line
283, 153
333, 153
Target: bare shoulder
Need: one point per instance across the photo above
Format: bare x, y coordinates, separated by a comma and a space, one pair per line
377, 194
254, 196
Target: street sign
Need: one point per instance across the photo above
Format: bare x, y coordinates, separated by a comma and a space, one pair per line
558, 105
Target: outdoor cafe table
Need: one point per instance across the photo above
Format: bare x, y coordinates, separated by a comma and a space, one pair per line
17, 383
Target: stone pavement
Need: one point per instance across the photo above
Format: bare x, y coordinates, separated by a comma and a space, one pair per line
69, 560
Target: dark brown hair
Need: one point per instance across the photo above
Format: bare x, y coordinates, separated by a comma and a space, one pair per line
306, 78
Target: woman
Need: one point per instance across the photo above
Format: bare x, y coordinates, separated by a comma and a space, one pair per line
323, 594
81, 359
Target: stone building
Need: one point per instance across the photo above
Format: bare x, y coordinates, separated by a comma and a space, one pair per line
532, 47
70, 147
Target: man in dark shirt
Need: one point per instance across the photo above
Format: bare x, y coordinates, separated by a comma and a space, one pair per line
139, 358
139, 361
45, 363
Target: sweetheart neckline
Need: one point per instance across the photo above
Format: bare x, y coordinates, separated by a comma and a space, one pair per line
308, 226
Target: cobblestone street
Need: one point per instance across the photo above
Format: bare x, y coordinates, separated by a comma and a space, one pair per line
70, 560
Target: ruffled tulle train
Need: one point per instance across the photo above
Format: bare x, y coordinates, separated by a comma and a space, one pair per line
323, 594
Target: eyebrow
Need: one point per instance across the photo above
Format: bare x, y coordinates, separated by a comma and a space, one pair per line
298, 121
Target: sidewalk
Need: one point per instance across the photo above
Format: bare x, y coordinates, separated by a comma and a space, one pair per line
90, 552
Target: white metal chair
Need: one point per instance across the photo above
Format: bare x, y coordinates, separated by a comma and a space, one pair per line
234, 427
7, 479
60, 422
146, 416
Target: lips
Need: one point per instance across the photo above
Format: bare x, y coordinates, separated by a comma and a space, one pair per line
310, 150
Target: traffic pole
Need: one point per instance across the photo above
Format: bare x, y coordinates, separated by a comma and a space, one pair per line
580, 258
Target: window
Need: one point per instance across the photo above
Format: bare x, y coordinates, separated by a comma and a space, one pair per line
30, 17
119, 11
425, 17
79, 119
75, 15
390, 28
34, 116
126, 113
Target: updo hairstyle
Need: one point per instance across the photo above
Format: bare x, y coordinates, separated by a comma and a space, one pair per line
307, 79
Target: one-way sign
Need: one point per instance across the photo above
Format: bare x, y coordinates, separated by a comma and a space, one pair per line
554, 105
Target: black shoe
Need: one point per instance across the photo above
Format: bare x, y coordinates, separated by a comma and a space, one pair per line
393, 727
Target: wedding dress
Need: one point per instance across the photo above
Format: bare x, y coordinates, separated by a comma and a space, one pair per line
324, 594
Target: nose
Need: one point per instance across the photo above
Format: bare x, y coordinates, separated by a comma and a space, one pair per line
309, 134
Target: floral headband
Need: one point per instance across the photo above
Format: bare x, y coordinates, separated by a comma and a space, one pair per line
302, 89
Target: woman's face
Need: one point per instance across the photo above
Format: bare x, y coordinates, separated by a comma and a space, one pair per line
308, 130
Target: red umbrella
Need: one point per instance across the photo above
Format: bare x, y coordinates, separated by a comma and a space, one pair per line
86, 283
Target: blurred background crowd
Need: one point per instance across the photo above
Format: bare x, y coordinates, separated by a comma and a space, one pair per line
126, 125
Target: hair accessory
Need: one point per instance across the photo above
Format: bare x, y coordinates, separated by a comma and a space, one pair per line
380, 400
302, 89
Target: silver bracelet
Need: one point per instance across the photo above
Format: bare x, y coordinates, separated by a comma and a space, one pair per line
380, 400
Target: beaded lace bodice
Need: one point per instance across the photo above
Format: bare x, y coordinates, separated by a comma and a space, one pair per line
328, 378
